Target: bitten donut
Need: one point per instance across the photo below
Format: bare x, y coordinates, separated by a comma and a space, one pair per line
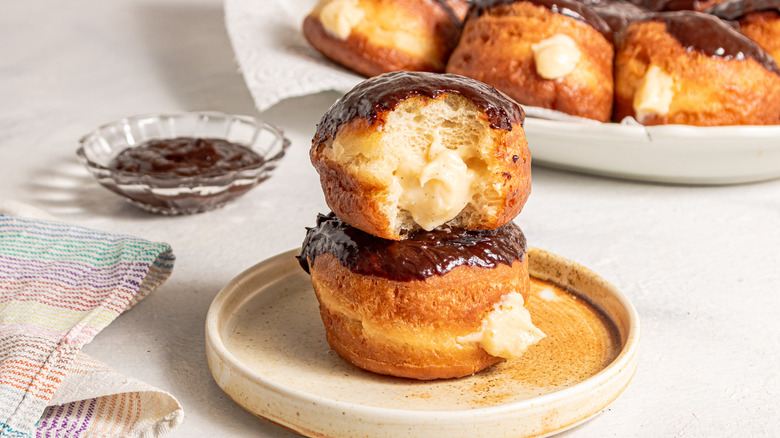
440, 304
546, 53
377, 36
408, 150
693, 69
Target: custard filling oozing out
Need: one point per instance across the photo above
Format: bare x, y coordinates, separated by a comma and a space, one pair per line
556, 57
654, 95
507, 331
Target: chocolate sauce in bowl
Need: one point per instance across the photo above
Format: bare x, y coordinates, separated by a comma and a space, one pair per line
185, 157
373, 97
420, 256
711, 36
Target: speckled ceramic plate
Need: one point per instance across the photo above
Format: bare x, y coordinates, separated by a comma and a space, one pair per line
266, 349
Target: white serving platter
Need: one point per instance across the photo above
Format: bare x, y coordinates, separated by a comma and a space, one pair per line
277, 63
669, 154
266, 349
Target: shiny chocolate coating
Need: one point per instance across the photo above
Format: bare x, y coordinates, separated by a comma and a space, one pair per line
616, 13
420, 256
443, 4
733, 9
374, 97
726, 9
713, 37
185, 157
676, 5
569, 8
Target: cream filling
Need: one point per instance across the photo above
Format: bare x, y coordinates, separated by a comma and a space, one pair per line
507, 331
556, 57
339, 17
654, 95
435, 187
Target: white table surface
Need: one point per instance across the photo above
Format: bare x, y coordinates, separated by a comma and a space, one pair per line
701, 264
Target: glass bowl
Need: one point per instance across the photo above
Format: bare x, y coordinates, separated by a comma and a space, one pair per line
182, 194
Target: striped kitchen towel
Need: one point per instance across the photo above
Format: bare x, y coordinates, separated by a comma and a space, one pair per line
59, 286
95, 401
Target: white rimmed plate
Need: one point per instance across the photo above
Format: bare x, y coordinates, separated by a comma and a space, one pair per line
266, 349
670, 154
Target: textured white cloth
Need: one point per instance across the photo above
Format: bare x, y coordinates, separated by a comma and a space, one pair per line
278, 63
276, 60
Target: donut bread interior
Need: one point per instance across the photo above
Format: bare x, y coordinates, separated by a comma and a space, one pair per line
432, 163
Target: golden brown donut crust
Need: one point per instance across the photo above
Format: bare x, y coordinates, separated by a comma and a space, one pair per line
763, 28
356, 198
409, 329
495, 48
434, 26
708, 91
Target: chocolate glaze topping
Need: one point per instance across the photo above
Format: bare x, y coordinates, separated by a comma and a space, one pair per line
676, 5
448, 9
616, 13
727, 9
422, 255
569, 8
713, 37
372, 98
185, 157
733, 9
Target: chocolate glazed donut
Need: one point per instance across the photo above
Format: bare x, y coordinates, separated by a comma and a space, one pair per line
554, 54
416, 308
694, 69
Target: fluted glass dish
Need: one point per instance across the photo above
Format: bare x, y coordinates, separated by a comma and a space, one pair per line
182, 194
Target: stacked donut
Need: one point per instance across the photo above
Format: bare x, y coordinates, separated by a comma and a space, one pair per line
695, 62
419, 270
